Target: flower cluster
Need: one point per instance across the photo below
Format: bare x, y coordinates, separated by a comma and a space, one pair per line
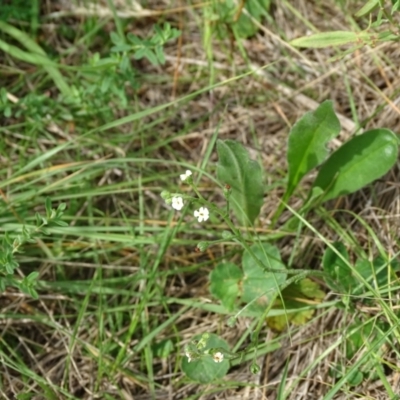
217, 357
185, 175
189, 356
202, 214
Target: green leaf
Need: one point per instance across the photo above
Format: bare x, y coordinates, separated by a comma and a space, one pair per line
224, 283
336, 265
379, 273
62, 207
326, 39
140, 53
116, 39
38, 218
3, 96
204, 369
36, 56
7, 112
121, 48
244, 175
396, 7
106, 83
10, 264
125, 64
47, 205
355, 377
357, 163
32, 292
386, 36
32, 277
306, 288
163, 348
175, 33
151, 56
160, 54
59, 222
259, 285
307, 142
367, 8
134, 39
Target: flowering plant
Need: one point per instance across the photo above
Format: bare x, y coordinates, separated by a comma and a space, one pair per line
263, 281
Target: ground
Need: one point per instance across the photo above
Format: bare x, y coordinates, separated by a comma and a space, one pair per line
122, 289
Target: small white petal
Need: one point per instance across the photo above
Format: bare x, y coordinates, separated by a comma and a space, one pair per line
185, 175
218, 357
177, 203
202, 214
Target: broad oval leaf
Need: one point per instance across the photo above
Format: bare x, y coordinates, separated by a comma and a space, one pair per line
259, 284
357, 163
205, 369
326, 39
307, 142
244, 176
224, 283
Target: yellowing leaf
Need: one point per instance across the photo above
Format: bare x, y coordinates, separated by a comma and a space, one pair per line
296, 296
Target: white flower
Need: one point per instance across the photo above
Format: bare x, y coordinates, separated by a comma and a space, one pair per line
202, 214
185, 175
188, 356
177, 203
218, 357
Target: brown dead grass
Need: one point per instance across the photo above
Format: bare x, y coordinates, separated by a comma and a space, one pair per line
267, 103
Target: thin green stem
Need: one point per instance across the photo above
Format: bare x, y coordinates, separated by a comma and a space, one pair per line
238, 237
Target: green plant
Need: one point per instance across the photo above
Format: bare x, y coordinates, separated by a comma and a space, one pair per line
230, 17
105, 80
110, 78
151, 48
357, 39
263, 283
18, 10
11, 244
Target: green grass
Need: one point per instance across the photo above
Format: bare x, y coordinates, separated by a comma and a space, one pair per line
121, 288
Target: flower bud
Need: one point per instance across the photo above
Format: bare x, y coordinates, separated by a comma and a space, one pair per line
203, 246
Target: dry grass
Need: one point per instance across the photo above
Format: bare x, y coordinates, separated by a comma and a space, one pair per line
55, 342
